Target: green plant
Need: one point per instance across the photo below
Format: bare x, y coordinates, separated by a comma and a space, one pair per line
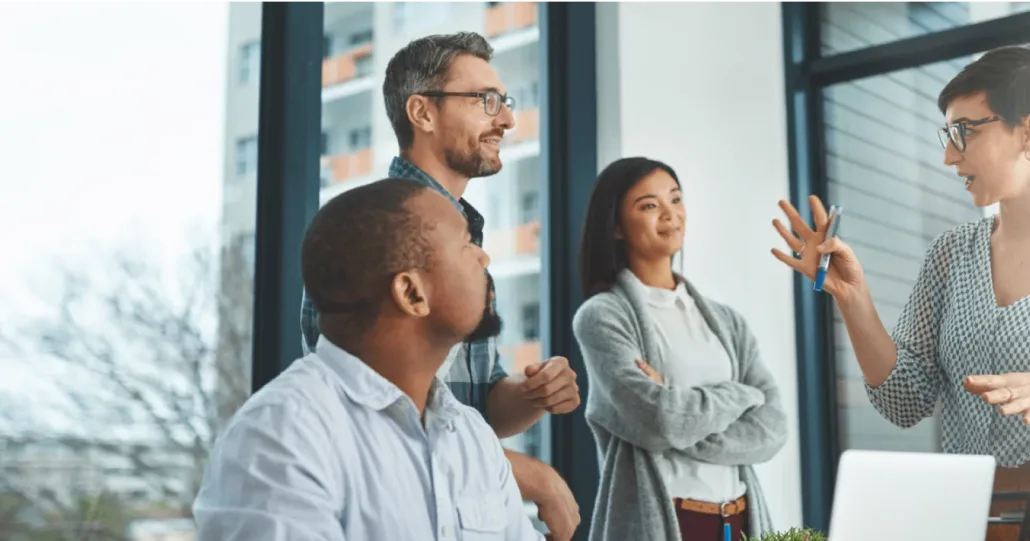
793, 534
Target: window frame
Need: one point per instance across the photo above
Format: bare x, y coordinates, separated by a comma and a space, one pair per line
807, 73
288, 185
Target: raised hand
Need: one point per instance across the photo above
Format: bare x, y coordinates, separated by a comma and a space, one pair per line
844, 275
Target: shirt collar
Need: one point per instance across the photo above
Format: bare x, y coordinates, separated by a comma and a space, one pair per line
367, 387
402, 168
665, 298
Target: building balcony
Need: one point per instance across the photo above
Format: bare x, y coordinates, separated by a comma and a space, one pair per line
342, 167
343, 67
513, 242
522, 355
514, 40
509, 17
527, 125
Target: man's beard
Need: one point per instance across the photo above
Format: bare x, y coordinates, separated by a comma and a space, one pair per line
471, 165
490, 325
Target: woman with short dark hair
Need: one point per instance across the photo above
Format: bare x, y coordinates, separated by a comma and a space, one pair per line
963, 337
680, 403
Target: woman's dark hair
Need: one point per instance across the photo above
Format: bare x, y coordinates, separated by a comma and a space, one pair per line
601, 255
1004, 75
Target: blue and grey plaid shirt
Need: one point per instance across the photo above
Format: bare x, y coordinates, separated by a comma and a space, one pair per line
475, 368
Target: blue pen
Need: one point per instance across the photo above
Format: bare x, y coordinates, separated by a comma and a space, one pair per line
824, 260
727, 532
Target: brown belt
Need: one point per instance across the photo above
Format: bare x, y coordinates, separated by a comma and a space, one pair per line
725, 509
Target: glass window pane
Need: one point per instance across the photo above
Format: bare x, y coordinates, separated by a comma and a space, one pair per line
361, 144
885, 166
847, 26
125, 289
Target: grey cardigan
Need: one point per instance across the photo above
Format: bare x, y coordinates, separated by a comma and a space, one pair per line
738, 422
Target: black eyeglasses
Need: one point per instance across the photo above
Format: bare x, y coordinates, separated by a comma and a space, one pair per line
492, 100
956, 133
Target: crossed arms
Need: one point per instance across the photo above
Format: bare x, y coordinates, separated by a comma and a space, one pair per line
732, 422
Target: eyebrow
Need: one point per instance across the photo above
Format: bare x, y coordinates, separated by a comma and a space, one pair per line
490, 89
653, 196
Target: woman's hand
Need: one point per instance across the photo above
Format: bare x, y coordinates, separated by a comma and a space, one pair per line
651, 372
1011, 392
844, 275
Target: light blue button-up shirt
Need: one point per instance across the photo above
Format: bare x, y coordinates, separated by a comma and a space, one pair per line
332, 451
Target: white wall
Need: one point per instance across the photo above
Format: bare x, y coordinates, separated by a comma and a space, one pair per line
700, 86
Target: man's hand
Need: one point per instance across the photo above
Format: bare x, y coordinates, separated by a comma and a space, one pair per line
558, 509
540, 484
1011, 392
551, 385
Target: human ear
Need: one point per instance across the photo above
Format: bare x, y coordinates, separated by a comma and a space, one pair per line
408, 292
421, 114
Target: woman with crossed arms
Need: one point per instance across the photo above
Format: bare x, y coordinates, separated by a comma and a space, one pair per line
680, 403
964, 334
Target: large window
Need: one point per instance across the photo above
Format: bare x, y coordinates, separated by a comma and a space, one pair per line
353, 111
132, 258
126, 282
848, 26
863, 112
884, 164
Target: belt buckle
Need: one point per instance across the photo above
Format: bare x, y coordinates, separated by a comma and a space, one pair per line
722, 509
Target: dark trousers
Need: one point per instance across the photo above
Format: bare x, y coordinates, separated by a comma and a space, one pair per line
696, 526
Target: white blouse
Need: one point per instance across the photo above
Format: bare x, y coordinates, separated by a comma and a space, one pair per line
693, 357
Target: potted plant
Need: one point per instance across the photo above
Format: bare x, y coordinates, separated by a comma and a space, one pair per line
793, 534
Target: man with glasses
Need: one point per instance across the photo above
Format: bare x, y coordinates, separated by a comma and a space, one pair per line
449, 111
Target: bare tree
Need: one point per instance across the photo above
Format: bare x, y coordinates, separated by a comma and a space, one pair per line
153, 365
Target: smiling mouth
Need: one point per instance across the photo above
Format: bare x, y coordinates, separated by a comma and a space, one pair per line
969, 181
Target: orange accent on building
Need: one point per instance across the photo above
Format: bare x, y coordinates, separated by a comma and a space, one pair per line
527, 125
342, 67
504, 243
509, 16
345, 166
522, 355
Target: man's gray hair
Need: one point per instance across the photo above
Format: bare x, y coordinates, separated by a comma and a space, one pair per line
421, 66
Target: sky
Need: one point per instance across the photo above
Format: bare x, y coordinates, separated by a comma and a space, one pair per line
111, 136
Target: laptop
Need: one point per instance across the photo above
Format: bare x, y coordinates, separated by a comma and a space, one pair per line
894, 496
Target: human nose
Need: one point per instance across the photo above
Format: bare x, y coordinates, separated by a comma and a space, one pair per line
483, 257
505, 118
952, 156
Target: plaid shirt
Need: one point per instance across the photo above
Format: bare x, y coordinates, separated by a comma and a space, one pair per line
475, 368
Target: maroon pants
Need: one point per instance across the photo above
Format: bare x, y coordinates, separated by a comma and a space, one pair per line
1008, 479
696, 526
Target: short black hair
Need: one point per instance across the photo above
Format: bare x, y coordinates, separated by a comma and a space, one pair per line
601, 255
356, 244
1004, 75
421, 66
